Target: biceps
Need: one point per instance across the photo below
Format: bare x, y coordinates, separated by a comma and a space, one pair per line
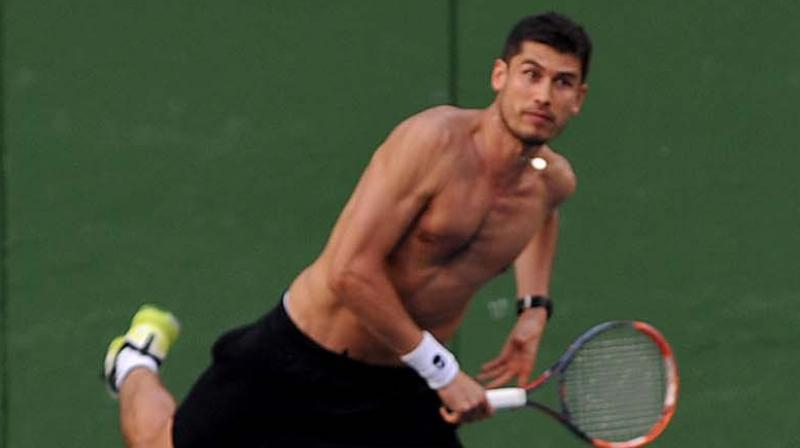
377, 217
379, 220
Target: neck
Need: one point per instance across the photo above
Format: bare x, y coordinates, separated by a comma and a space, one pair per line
503, 151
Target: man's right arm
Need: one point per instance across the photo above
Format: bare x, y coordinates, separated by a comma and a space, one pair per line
402, 177
395, 187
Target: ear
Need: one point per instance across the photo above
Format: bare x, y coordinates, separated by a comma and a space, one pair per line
499, 75
580, 98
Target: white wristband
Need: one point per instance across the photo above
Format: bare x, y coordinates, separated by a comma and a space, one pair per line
433, 362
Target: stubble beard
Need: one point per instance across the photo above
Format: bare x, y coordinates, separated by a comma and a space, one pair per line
526, 140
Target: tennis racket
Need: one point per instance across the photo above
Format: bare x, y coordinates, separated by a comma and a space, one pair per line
617, 386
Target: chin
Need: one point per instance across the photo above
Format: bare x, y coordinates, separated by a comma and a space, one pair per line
532, 138
533, 141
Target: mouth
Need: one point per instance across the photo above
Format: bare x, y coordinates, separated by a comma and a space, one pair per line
538, 115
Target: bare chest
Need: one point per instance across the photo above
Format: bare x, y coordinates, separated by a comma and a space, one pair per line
473, 231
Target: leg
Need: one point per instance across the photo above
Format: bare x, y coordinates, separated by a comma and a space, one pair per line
146, 409
131, 372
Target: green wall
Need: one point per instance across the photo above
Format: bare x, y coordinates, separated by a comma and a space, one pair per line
195, 154
686, 206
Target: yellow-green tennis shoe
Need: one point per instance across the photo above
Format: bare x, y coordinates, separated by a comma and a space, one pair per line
151, 335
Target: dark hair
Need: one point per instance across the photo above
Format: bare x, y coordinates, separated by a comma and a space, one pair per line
554, 30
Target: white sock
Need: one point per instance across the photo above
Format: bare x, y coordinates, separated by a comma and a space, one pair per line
129, 359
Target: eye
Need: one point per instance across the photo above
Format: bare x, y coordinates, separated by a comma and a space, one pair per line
564, 81
532, 74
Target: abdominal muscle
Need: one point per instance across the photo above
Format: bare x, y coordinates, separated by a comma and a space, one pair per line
437, 305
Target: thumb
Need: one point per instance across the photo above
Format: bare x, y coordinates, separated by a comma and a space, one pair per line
524, 375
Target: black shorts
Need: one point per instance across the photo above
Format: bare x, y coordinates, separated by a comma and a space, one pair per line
269, 385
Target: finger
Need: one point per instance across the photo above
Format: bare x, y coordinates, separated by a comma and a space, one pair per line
486, 409
480, 412
500, 380
486, 375
524, 375
494, 367
450, 416
494, 363
501, 357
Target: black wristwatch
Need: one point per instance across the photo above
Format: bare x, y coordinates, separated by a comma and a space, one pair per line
527, 302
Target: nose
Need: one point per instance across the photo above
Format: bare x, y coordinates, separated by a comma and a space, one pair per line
542, 92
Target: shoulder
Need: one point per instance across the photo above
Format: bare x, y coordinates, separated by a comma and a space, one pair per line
563, 181
428, 135
420, 150
437, 125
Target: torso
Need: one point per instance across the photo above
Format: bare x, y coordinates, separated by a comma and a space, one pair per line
469, 232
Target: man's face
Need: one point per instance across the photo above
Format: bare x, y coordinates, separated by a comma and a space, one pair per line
538, 91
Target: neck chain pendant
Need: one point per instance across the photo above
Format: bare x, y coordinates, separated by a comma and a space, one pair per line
538, 163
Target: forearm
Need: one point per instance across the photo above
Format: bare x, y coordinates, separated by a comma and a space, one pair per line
371, 297
533, 267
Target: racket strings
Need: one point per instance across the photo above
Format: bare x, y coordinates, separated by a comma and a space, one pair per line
614, 387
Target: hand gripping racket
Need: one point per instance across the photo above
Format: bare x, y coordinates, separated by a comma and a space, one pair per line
617, 384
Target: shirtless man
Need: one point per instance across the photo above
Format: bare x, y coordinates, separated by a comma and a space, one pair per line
450, 200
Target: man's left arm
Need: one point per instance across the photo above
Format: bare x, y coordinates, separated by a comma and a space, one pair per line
532, 270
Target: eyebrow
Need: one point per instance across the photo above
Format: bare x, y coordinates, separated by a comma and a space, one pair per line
571, 74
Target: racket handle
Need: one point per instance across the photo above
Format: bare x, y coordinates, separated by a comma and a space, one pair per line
506, 397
